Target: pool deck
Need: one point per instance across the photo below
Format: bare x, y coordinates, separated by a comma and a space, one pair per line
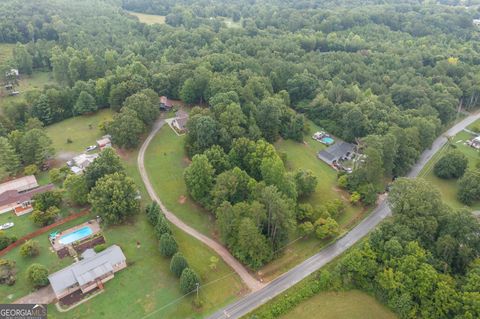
93, 224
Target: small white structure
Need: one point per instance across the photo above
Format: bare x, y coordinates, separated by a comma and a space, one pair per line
474, 142
476, 22
104, 142
12, 73
79, 163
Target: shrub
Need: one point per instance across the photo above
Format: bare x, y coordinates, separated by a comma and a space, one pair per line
7, 272
45, 218
44, 201
168, 245
153, 213
37, 274
6, 240
178, 264
188, 280
451, 165
162, 226
30, 170
30, 248
100, 247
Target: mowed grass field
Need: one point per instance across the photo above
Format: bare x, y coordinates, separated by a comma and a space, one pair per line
148, 18
81, 130
449, 187
352, 304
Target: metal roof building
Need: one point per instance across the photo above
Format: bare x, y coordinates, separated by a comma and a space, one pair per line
335, 152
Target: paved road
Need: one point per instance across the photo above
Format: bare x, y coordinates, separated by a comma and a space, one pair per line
252, 283
312, 264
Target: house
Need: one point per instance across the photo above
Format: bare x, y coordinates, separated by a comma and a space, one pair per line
476, 22
16, 195
165, 103
104, 142
79, 163
180, 121
88, 274
336, 152
475, 142
12, 73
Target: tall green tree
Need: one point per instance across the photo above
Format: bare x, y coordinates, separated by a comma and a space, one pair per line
85, 104
199, 179
9, 160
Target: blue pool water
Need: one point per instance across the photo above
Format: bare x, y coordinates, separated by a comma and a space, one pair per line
76, 235
327, 140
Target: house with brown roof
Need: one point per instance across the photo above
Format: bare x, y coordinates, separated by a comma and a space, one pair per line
16, 195
165, 103
180, 121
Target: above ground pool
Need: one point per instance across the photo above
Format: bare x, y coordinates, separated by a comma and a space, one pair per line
76, 235
327, 140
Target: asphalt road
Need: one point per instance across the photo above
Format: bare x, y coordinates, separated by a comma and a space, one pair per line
317, 261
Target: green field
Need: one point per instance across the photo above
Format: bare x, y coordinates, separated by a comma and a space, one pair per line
148, 18
26, 83
448, 187
81, 130
6, 51
352, 304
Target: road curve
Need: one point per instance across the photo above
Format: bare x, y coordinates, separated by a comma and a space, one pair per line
252, 283
257, 298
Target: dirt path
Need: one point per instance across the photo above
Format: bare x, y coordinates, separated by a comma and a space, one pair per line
248, 279
43, 295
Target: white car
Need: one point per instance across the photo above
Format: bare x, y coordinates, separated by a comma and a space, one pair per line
91, 148
6, 226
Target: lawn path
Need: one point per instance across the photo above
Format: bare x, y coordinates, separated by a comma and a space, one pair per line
252, 283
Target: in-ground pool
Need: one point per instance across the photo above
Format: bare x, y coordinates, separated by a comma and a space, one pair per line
76, 235
327, 140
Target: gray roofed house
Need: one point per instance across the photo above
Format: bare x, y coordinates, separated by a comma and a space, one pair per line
338, 151
89, 273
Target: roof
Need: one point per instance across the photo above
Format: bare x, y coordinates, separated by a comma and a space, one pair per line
83, 160
20, 184
181, 114
104, 141
86, 270
336, 151
165, 101
182, 122
13, 197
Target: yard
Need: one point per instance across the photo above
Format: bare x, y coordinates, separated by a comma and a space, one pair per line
6, 51
352, 304
448, 188
148, 18
82, 131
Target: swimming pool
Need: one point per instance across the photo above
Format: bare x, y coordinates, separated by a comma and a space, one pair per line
327, 140
76, 235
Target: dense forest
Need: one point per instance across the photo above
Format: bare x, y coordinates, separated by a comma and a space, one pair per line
388, 76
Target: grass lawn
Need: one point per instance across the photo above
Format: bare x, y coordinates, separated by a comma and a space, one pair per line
6, 51
148, 18
23, 224
165, 161
146, 286
352, 304
26, 83
448, 187
81, 130
232, 24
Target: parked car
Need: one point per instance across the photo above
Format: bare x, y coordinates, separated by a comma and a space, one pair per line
7, 226
91, 148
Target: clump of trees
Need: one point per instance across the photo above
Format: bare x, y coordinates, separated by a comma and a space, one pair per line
46, 207
451, 165
469, 187
37, 274
7, 272
30, 248
6, 240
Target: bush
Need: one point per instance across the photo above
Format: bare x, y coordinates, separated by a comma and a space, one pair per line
31, 248
451, 165
44, 201
37, 274
100, 247
7, 272
168, 245
188, 280
6, 240
30, 170
45, 218
153, 213
178, 264
469, 187
162, 226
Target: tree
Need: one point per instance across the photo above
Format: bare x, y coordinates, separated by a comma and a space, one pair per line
178, 264
114, 198
326, 227
306, 182
302, 86
451, 165
106, 163
162, 226
218, 159
85, 104
6, 240
76, 189
252, 247
268, 118
7, 272
44, 218
23, 59
469, 187
31, 169
126, 128
188, 281
146, 109
30, 248
45, 200
35, 147
168, 246
153, 213
199, 179
233, 186
203, 133
37, 274
9, 160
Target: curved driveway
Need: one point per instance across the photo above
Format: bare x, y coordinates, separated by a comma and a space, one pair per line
312, 264
252, 283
